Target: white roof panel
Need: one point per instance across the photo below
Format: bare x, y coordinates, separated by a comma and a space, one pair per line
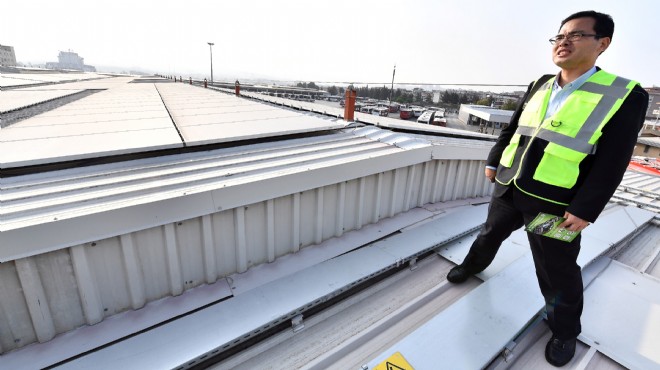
19, 79
205, 116
126, 119
73, 147
622, 316
16, 99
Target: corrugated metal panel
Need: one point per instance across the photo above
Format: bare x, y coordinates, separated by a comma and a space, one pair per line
172, 224
197, 184
262, 307
642, 190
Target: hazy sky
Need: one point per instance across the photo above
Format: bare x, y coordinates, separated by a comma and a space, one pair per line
430, 41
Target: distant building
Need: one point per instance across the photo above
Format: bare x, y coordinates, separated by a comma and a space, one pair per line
7, 56
653, 111
437, 96
498, 100
485, 117
648, 146
70, 60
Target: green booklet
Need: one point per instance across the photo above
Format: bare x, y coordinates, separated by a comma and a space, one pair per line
548, 225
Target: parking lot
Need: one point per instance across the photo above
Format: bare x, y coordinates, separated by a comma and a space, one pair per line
452, 119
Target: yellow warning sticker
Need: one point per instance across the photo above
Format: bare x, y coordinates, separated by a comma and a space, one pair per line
394, 362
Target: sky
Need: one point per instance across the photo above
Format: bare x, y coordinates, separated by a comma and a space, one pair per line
440, 42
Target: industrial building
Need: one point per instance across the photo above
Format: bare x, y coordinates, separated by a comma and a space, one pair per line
7, 56
70, 60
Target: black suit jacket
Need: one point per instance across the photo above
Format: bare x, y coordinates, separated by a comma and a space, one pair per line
600, 173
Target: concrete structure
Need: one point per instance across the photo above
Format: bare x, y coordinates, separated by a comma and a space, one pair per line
7, 56
498, 100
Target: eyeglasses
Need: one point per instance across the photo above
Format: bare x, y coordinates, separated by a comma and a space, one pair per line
572, 37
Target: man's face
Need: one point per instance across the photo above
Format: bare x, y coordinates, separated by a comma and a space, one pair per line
582, 53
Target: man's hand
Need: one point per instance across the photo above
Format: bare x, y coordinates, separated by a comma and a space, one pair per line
490, 174
573, 223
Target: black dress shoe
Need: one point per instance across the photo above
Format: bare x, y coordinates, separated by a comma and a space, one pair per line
458, 274
559, 352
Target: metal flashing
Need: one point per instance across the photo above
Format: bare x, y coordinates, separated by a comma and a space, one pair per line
622, 317
490, 316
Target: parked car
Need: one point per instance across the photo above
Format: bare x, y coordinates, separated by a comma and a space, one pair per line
439, 121
367, 109
426, 117
432, 117
381, 111
405, 113
417, 111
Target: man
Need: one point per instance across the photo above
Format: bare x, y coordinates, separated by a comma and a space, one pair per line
564, 153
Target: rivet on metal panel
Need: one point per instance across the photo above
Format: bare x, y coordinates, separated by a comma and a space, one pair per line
93, 244
297, 323
364, 367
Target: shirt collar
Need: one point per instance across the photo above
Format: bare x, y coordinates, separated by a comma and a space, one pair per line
578, 81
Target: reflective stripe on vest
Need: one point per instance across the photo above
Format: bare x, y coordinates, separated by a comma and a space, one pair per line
581, 142
572, 132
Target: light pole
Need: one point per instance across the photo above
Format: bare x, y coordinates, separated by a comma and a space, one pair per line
211, 49
392, 88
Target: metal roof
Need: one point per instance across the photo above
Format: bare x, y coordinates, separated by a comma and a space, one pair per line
641, 190
488, 113
123, 119
17, 99
128, 118
649, 140
40, 77
327, 242
189, 185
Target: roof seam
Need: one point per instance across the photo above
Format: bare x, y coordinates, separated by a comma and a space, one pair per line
183, 141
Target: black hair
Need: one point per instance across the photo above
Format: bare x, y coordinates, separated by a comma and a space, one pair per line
603, 25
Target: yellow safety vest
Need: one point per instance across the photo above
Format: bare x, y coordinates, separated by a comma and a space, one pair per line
572, 132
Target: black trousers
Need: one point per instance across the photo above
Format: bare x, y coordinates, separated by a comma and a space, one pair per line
559, 276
